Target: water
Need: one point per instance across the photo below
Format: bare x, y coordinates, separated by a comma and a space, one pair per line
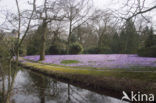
31, 87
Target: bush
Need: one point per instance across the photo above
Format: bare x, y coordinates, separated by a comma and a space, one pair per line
31, 50
96, 50
75, 48
92, 50
57, 48
105, 50
147, 52
22, 51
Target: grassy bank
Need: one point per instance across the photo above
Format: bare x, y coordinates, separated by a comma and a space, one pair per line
132, 73
116, 80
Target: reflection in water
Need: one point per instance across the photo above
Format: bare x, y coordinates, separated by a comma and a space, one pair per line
7, 79
30, 87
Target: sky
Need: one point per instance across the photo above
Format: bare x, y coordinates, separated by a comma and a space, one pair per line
11, 5
99, 4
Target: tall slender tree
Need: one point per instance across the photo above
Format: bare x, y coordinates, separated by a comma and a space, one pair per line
115, 43
76, 14
129, 38
150, 38
20, 41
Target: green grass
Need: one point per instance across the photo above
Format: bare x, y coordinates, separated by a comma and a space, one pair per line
69, 61
135, 68
146, 76
143, 69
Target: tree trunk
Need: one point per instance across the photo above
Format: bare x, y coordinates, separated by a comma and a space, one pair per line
17, 55
69, 36
43, 40
101, 37
100, 40
3, 84
68, 93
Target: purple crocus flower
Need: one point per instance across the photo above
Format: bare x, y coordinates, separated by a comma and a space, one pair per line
99, 60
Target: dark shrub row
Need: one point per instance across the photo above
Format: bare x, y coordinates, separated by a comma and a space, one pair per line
147, 52
60, 48
57, 49
96, 50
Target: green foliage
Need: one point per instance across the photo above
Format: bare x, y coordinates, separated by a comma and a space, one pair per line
69, 61
129, 38
104, 50
122, 40
6, 47
143, 37
75, 48
97, 50
115, 44
150, 38
32, 47
3, 52
149, 48
33, 43
92, 50
22, 50
31, 50
147, 52
73, 38
57, 48
104, 42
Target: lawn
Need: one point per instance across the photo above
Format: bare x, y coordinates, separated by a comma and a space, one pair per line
69, 62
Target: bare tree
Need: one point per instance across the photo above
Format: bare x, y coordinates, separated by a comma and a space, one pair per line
20, 41
103, 22
138, 7
50, 11
76, 14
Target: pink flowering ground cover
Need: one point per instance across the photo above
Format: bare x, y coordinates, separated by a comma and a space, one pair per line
99, 60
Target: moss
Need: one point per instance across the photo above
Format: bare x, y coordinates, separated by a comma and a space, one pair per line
69, 61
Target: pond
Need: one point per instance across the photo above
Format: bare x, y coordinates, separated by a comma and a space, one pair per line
32, 87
